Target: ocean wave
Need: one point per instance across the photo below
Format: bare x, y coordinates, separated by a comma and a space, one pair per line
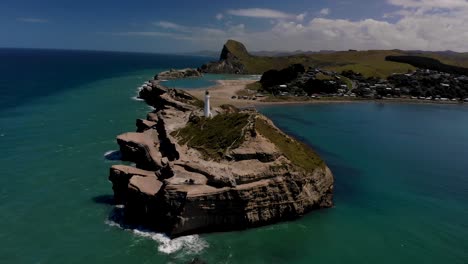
136, 98
113, 155
186, 245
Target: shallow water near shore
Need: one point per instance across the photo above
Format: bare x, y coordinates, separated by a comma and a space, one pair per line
401, 175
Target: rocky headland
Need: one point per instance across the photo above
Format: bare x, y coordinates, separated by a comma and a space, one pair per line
230, 61
178, 74
233, 171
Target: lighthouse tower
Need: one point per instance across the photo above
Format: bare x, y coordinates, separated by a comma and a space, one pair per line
207, 105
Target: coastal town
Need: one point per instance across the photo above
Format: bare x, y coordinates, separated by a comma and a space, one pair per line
316, 83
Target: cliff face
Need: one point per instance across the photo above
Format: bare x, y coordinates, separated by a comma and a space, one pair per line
247, 174
230, 60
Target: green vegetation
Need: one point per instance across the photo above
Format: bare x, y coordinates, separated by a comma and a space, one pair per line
369, 63
323, 77
256, 86
213, 136
429, 63
348, 82
298, 153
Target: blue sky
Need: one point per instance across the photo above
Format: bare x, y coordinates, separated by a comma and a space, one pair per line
179, 26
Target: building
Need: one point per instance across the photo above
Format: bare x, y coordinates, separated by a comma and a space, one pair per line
207, 109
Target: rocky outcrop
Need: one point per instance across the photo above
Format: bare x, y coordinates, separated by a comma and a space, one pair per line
121, 175
178, 189
230, 60
141, 148
178, 74
143, 125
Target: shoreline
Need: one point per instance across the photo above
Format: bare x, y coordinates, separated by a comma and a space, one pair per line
223, 90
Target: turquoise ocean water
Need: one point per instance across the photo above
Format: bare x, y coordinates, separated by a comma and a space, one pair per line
401, 172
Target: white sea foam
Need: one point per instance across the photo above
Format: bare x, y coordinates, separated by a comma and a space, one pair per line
113, 155
136, 98
187, 245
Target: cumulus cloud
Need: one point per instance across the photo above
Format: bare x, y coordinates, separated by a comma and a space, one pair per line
32, 20
417, 25
301, 17
219, 16
324, 12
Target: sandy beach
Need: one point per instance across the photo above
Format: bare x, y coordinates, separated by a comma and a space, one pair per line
224, 90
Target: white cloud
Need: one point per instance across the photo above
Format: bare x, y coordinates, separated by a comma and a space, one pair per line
301, 17
430, 4
170, 26
32, 20
151, 34
207, 37
324, 12
414, 26
263, 13
219, 16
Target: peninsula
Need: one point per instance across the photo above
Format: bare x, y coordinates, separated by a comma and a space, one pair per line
207, 170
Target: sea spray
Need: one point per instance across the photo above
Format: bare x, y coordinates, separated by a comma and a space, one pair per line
113, 155
186, 245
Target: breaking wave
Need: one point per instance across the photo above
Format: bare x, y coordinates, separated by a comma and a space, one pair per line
187, 245
113, 155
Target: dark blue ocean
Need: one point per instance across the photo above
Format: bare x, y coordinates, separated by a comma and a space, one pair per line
401, 172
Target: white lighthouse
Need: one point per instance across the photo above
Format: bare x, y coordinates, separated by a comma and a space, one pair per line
207, 105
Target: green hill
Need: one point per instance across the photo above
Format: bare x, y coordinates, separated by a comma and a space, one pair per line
235, 58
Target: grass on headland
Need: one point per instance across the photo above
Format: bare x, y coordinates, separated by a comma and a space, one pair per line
297, 152
213, 136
